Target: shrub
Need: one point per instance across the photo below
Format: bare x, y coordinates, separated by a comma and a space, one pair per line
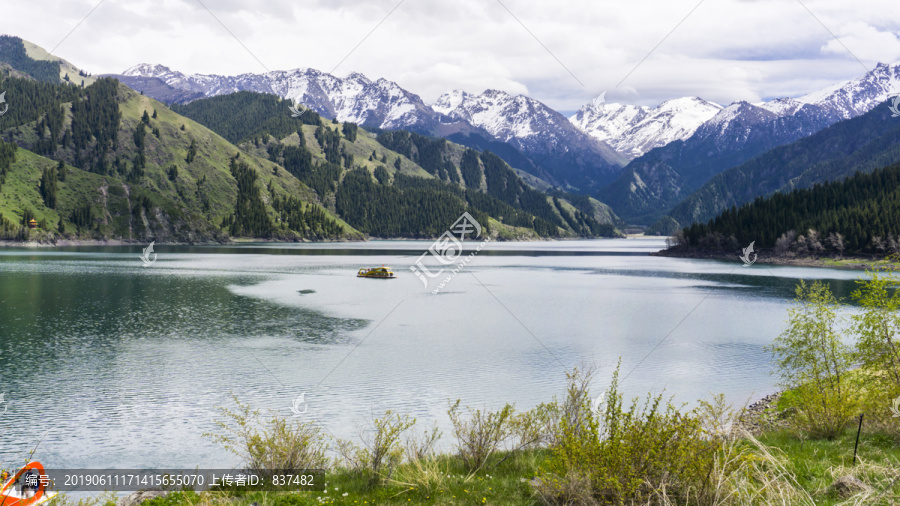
878, 326
535, 428
480, 435
270, 443
631, 456
420, 446
380, 454
813, 362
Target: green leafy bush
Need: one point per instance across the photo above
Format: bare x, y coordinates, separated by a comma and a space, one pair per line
813, 362
628, 456
878, 331
479, 436
267, 443
381, 453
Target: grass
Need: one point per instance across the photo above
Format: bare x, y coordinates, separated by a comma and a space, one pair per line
817, 463
442, 480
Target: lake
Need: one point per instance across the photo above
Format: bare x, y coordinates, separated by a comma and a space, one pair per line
107, 363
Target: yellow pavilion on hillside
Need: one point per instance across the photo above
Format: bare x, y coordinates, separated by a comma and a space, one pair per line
32, 223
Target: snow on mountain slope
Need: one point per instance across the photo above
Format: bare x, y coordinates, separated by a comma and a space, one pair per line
580, 152
519, 120
633, 130
860, 95
355, 98
574, 159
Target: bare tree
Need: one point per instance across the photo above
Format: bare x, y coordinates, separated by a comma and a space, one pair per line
677, 239
877, 244
894, 244
800, 246
814, 243
836, 241
784, 243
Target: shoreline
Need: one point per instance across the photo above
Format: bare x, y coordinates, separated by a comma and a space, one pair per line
857, 262
753, 419
234, 242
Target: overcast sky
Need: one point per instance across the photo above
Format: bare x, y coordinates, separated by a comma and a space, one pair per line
563, 53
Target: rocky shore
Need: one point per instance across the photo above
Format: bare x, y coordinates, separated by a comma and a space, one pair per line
758, 417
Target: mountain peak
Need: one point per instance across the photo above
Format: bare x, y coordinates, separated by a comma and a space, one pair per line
859, 95
633, 130
490, 92
448, 102
359, 76
147, 70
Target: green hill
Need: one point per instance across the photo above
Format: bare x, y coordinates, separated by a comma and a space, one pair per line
28, 60
104, 162
145, 173
410, 184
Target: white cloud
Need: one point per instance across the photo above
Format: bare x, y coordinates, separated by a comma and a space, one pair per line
865, 42
726, 50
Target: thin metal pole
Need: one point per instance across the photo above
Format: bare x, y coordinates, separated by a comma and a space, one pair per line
858, 430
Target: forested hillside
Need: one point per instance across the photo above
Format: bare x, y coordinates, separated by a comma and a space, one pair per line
862, 144
245, 114
106, 163
858, 215
12, 52
395, 183
653, 183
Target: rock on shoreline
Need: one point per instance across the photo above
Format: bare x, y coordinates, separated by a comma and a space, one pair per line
754, 417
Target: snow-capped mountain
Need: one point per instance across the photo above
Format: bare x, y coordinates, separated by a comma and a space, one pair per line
517, 119
633, 130
354, 98
524, 123
860, 95
534, 128
583, 152
657, 180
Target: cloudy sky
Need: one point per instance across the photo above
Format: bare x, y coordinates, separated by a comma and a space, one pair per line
563, 53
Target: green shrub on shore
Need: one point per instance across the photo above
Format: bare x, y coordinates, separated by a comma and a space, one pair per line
380, 454
814, 362
266, 443
631, 455
878, 339
479, 436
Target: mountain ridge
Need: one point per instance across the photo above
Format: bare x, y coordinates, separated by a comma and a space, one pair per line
863, 143
571, 159
655, 182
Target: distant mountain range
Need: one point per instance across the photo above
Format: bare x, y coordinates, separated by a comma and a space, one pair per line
644, 162
641, 160
102, 162
860, 144
653, 183
633, 130
558, 151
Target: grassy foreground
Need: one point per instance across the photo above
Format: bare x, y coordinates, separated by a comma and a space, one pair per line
813, 465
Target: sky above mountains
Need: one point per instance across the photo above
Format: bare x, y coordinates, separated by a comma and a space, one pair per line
561, 53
